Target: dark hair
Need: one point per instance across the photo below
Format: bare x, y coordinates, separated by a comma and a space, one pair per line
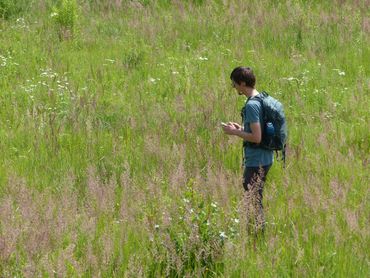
245, 74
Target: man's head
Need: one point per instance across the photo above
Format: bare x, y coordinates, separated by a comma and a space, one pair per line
242, 77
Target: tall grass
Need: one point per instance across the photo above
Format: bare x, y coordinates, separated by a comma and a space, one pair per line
113, 163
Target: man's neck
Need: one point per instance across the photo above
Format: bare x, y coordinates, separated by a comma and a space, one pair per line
251, 92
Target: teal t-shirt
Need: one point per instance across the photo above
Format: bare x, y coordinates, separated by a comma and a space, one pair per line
255, 157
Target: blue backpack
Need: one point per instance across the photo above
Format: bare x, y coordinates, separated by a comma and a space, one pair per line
274, 130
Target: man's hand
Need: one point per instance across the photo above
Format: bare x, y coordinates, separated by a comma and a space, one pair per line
236, 125
231, 128
235, 129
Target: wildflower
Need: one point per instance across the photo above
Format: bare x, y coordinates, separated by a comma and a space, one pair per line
223, 235
154, 80
3, 64
214, 205
341, 73
156, 226
291, 79
236, 220
53, 14
186, 200
203, 58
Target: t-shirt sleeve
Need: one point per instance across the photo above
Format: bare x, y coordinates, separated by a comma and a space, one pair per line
252, 112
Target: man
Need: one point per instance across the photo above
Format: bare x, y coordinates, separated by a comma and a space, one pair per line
257, 161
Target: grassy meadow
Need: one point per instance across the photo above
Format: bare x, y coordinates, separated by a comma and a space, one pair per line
113, 162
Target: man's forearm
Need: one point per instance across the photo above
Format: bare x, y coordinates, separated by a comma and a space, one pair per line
247, 136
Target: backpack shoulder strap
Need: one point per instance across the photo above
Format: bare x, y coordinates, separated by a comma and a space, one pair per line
260, 97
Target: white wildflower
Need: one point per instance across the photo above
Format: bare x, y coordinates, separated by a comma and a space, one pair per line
223, 235
154, 80
341, 73
290, 79
203, 58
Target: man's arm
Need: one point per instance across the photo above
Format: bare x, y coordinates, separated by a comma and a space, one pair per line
254, 136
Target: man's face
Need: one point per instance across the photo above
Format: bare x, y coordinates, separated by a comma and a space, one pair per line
238, 87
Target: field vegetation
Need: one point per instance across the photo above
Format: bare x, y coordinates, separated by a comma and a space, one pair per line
113, 162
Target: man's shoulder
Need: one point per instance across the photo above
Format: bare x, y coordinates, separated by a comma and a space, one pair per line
252, 110
253, 103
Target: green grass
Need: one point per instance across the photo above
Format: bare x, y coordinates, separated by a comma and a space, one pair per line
112, 156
